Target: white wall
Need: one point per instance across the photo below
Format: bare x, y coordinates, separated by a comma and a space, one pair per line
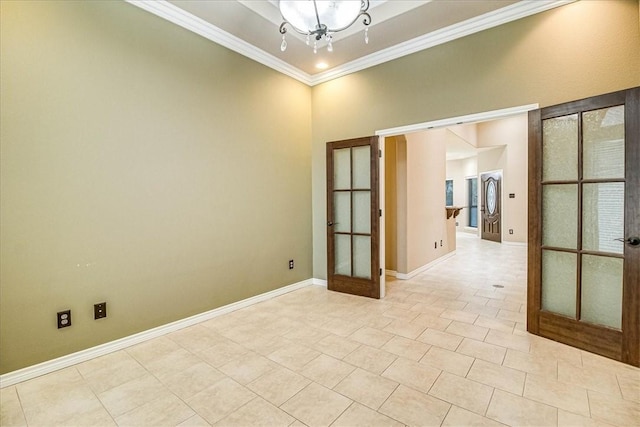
509, 138
420, 201
459, 171
502, 146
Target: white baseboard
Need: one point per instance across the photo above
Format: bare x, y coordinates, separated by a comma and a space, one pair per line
11, 378
319, 282
407, 276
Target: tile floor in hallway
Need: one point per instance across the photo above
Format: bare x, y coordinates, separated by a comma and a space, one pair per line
445, 348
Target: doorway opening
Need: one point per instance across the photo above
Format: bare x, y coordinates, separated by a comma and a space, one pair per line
494, 141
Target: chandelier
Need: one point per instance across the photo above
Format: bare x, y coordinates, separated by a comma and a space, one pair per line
321, 19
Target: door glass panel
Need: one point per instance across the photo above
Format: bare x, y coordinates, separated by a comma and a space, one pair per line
560, 148
342, 254
603, 217
473, 202
560, 215
362, 257
491, 197
448, 191
361, 167
559, 282
342, 211
602, 290
362, 212
342, 169
603, 143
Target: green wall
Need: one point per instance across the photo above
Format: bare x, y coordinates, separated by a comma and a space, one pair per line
142, 165
145, 166
575, 51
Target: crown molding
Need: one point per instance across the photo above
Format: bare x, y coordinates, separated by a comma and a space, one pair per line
174, 14
474, 25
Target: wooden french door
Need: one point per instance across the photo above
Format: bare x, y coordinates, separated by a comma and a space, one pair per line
353, 239
584, 223
491, 206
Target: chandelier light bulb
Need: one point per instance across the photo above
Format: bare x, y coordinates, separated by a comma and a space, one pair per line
283, 45
366, 35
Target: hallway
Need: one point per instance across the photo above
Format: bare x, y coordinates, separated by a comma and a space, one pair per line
448, 347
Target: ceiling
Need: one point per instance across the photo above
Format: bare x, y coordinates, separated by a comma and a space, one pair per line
398, 28
457, 147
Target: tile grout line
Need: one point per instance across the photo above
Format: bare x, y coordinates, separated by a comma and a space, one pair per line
486, 411
96, 394
24, 415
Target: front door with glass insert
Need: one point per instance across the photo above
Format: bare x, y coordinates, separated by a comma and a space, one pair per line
491, 208
353, 217
584, 223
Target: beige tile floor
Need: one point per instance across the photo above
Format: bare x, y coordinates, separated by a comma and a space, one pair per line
445, 348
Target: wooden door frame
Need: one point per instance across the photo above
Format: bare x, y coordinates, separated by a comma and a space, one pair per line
547, 324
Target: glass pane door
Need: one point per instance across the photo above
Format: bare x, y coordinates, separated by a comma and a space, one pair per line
353, 221
352, 211
584, 224
583, 179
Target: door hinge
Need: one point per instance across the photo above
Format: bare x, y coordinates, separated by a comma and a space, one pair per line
381, 272
380, 212
380, 153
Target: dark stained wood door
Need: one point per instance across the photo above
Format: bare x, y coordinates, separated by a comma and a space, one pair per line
353, 218
491, 206
584, 224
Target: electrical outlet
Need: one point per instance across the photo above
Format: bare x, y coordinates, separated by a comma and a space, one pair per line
511, 231
64, 319
290, 264
100, 310
440, 243
435, 245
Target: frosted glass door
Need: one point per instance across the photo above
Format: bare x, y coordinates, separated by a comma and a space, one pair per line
583, 215
585, 253
352, 212
352, 215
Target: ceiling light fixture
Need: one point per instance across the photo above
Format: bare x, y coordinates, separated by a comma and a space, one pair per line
318, 19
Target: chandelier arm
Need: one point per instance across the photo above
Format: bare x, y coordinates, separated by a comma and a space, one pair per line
366, 21
367, 18
283, 29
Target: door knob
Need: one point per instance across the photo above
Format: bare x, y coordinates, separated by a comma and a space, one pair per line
633, 241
